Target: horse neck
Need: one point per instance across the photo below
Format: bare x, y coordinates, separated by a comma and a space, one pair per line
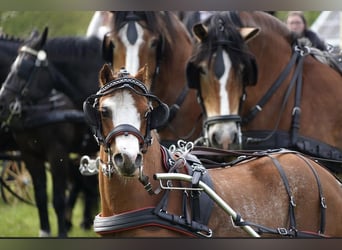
120, 195
170, 84
78, 62
271, 62
177, 51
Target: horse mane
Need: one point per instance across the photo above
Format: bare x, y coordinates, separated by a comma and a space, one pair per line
74, 49
267, 23
10, 38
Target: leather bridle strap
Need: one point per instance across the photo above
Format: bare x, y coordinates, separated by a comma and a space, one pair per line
124, 129
179, 101
258, 107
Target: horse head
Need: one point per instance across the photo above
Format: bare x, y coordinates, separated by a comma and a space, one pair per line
220, 69
160, 40
20, 86
135, 40
122, 114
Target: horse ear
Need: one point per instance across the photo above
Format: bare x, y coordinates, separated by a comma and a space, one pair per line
34, 33
45, 33
200, 31
249, 33
144, 76
105, 75
107, 48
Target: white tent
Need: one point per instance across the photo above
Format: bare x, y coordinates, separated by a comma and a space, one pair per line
328, 27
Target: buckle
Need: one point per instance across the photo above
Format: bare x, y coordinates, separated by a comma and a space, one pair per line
282, 231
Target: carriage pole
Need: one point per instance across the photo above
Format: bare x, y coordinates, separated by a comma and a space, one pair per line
208, 191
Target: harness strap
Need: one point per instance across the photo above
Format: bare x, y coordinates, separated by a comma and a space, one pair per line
292, 203
297, 110
281, 231
258, 107
182, 221
179, 101
135, 219
322, 203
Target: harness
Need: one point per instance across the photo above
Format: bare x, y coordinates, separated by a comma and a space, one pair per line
291, 139
196, 207
243, 155
200, 203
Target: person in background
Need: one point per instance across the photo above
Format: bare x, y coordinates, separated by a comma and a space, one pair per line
296, 22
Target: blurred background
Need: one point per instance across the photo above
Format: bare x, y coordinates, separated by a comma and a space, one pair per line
61, 23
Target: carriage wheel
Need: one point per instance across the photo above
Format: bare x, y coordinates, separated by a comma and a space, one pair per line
16, 183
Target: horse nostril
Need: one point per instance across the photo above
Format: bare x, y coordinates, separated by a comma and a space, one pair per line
118, 159
214, 139
138, 160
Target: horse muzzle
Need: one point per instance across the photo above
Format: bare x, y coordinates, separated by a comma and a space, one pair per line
223, 131
127, 165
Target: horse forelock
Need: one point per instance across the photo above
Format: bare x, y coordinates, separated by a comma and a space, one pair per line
222, 31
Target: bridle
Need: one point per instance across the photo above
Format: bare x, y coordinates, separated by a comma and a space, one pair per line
92, 116
236, 118
21, 94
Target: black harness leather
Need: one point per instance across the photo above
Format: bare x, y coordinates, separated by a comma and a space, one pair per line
247, 155
192, 224
292, 139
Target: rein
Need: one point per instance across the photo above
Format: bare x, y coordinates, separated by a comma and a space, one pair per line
297, 62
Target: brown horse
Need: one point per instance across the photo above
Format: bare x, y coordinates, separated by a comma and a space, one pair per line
280, 192
250, 70
159, 40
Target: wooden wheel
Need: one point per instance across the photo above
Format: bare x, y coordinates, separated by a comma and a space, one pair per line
16, 183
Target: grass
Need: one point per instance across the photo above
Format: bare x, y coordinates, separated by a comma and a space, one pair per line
21, 220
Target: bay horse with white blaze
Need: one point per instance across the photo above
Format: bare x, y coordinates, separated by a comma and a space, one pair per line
160, 40
280, 192
251, 71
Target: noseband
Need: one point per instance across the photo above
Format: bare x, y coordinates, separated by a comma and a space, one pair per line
123, 129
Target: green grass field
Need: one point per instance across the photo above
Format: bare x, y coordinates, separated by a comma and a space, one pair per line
21, 220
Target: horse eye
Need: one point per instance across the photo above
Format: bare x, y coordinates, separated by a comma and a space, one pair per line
202, 71
154, 43
105, 112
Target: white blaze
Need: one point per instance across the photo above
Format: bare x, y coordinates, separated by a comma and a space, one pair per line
124, 111
132, 63
224, 97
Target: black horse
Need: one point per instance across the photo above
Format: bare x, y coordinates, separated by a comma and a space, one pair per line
46, 125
